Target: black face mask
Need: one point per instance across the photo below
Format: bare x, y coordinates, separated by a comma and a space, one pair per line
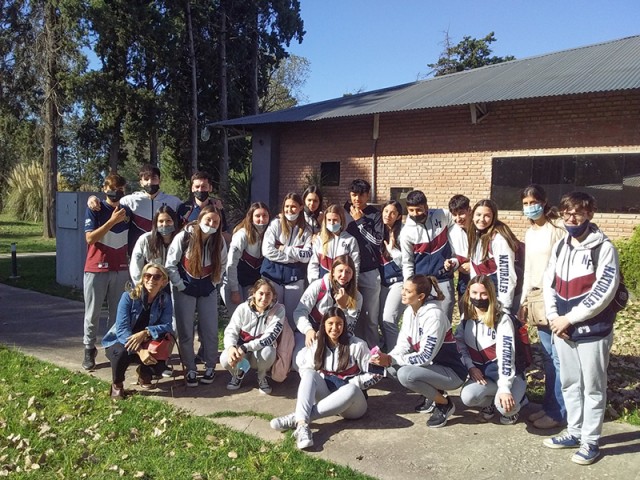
418, 218
481, 303
201, 195
114, 195
310, 213
151, 189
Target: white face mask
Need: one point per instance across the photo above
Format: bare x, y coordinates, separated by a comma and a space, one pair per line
206, 229
333, 227
292, 218
260, 227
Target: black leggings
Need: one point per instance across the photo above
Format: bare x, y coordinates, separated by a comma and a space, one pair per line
120, 359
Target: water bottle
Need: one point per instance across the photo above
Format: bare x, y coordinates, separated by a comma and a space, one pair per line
242, 368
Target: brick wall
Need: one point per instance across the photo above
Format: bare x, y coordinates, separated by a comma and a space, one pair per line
442, 153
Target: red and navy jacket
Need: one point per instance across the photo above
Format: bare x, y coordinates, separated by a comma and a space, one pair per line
109, 254
580, 285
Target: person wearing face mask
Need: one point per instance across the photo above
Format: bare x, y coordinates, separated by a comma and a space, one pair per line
106, 265
492, 252
201, 188
579, 285
143, 204
196, 261
486, 341
152, 247
426, 246
336, 288
286, 248
332, 242
252, 334
245, 256
312, 201
539, 239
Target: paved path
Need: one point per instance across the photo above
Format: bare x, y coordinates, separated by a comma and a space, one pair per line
390, 442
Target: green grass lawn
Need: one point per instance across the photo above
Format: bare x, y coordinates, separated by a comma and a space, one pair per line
26, 235
61, 424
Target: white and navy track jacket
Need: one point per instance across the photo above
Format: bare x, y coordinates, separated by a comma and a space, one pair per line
316, 300
241, 251
499, 265
141, 255
368, 232
426, 246
297, 249
460, 245
252, 329
575, 288
356, 371
391, 270
180, 273
320, 264
490, 350
425, 338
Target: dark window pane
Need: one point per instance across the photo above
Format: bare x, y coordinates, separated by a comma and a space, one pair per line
330, 174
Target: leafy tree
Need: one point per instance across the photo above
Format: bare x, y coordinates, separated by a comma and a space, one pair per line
285, 85
468, 54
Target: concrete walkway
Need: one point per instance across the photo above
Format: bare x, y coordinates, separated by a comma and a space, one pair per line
390, 442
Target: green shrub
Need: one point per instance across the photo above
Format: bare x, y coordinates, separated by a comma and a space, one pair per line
629, 251
238, 199
25, 187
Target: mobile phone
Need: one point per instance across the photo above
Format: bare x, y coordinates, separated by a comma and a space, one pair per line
377, 369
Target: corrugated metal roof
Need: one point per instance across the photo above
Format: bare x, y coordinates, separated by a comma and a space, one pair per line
603, 67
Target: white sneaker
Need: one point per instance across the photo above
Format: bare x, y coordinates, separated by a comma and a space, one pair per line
303, 436
281, 424
263, 386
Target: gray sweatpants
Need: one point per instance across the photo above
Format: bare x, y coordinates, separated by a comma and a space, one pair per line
316, 401
474, 394
583, 373
367, 326
98, 287
426, 379
391, 310
449, 293
261, 360
185, 307
289, 295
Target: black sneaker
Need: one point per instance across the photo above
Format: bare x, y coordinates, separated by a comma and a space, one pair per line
440, 414
192, 379
89, 362
425, 406
209, 375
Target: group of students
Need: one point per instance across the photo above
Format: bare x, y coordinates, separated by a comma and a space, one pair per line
344, 278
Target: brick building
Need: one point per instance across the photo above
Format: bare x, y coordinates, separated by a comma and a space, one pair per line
568, 120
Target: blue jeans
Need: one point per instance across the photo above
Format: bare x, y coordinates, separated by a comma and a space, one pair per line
553, 403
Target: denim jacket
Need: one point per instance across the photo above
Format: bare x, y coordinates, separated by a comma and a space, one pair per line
129, 311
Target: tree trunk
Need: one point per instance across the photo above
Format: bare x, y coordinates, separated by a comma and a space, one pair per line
51, 118
194, 93
224, 111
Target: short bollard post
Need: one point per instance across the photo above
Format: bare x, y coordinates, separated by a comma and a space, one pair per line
14, 263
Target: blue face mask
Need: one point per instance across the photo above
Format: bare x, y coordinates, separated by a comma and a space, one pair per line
166, 230
576, 231
334, 227
533, 212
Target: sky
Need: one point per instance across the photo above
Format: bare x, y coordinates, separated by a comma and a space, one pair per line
365, 45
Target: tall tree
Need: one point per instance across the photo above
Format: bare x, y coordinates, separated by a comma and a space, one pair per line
467, 54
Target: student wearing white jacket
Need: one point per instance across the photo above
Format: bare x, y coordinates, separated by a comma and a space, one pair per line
332, 242
245, 256
195, 262
336, 288
152, 246
286, 248
486, 340
252, 333
425, 359
333, 378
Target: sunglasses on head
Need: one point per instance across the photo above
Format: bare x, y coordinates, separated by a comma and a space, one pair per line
155, 276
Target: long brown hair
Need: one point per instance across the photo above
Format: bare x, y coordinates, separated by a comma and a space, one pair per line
325, 234
487, 236
253, 235
351, 288
426, 284
343, 341
495, 307
197, 245
300, 221
156, 242
393, 232
536, 191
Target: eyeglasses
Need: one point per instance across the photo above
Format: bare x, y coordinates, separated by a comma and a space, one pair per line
155, 276
578, 216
